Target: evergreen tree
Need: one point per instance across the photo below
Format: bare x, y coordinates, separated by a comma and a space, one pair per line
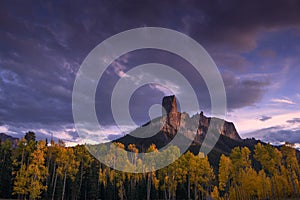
6, 169
85, 160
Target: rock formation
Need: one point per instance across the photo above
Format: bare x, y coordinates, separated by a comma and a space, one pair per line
160, 131
171, 116
175, 121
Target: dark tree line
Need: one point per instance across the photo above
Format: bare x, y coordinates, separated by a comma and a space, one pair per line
37, 170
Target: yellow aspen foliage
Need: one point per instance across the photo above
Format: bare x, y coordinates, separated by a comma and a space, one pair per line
215, 194
232, 193
20, 183
269, 158
263, 185
225, 169
240, 158
247, 183
37, 171
30, 180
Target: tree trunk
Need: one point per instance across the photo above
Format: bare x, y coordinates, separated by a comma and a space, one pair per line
48, 167
189, 187
54, 187
81, 177
169, 192
293, 183
195, 191
149, 185
22, 159
85, 194
165, 191
122, 192
54, 170
131, 188
64, 186
272, 188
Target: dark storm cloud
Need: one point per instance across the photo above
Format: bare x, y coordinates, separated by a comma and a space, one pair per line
294, 121
276, 134
292, 136
45, 131
264, 118
112, 137
243, 92
43, 45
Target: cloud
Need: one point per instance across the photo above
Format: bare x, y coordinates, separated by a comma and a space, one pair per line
247, 123
284, 101
243, 91
264, 118
233, 23
268, 53
43, 47
277, 134
3, 129
293, 121
231, 61
169, 90
283, 136
112, 137
65, 132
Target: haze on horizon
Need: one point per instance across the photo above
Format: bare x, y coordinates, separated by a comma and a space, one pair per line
255, 44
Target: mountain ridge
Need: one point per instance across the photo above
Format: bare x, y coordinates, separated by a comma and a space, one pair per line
12, 139
173, 122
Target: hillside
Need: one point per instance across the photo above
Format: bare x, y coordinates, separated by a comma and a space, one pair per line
4, 137
174, 123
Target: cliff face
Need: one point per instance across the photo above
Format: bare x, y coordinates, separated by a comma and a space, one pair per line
173, 122
172, 118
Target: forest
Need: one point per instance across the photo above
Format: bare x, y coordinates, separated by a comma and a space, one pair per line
41, 170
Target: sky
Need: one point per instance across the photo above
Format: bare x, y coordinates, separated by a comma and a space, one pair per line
255, 45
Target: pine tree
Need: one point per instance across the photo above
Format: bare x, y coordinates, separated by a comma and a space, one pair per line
6, 168
85, 160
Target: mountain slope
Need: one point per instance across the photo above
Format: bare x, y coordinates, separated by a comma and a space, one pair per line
173, 123
4, 137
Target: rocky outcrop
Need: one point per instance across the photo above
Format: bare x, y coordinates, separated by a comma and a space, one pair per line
171, 116
230, 131
160, 131
173, 121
